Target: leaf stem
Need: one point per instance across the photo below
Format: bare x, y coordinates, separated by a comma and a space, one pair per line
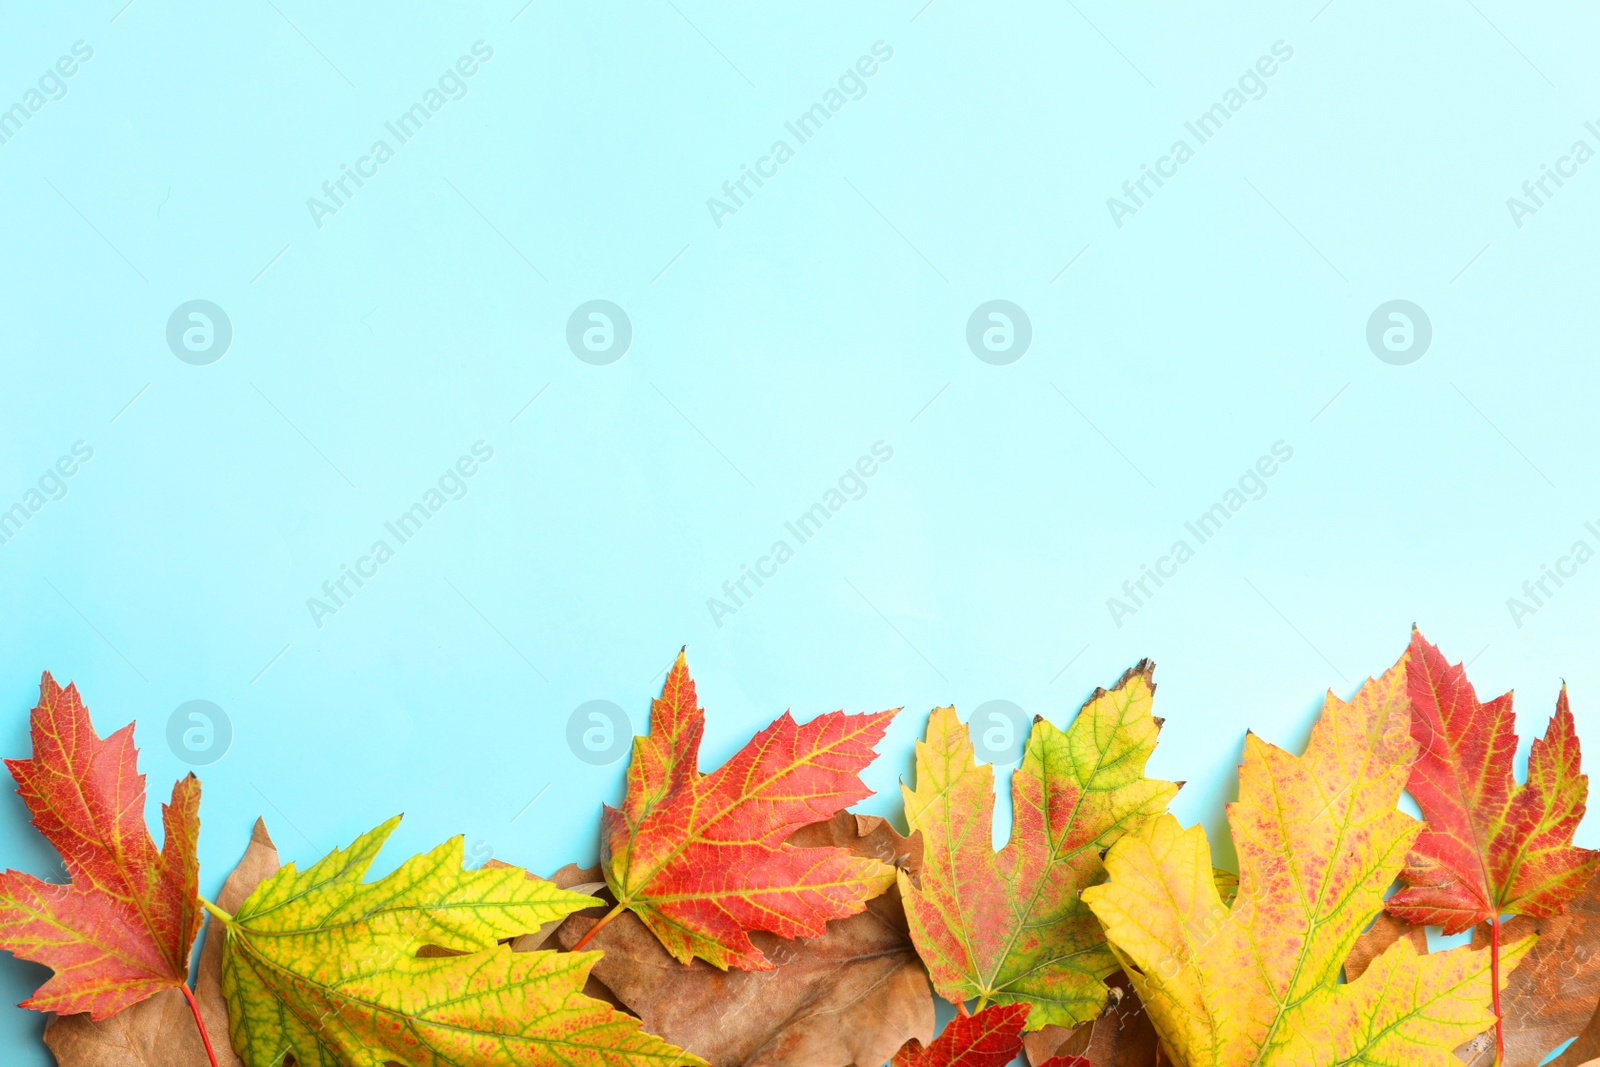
983, 1002
200, 1024
1494, 978
595, 929
214, 910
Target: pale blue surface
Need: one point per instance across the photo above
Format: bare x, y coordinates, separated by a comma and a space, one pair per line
827, 314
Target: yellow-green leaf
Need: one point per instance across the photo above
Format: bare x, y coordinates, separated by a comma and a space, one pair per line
1008, 928
1319, 839
325, 967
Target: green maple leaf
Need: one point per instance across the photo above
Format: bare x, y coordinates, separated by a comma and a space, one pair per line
328, 968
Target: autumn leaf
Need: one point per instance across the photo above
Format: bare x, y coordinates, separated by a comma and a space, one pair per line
1008, 927
1319, 840
327, 968
852, 996
1581, 1053
1491, 847
702, 858
988, 1038
121, 931
158, 1032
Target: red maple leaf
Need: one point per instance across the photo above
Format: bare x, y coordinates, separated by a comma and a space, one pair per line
1491, 847
990, 1038
122, 929
702, 859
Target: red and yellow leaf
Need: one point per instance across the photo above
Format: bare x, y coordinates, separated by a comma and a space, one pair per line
852, 996
1491, 847
122, 929
989, 1038
702, 858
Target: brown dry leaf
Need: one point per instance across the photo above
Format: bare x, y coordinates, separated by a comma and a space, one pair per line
157, 1032
865, 835
1579, 1052
570, 875
850, 997
1120, 1037
160, 1031
1384, 931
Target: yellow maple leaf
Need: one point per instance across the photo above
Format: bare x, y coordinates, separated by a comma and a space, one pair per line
1319, 840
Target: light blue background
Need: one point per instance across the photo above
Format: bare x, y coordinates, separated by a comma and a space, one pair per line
827, 314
